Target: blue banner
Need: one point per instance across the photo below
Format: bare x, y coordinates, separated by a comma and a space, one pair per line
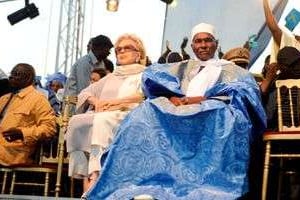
292, 19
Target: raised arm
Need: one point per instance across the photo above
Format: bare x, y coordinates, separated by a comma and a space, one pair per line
184, 54
272, 23
270, 78
163, 57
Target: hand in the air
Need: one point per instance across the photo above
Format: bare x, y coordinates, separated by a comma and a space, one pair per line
272, 70
168, 45
184, 43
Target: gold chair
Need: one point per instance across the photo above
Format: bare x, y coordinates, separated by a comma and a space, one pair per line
46, 164
52, 162
288, 105
69, 103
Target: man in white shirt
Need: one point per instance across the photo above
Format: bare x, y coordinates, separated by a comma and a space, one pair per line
209, 68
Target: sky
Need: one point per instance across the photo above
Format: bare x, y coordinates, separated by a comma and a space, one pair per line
34, 41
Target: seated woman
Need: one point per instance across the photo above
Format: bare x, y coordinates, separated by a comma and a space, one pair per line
191, 138
109, 100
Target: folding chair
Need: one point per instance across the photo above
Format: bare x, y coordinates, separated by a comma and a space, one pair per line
288, 105
51, 162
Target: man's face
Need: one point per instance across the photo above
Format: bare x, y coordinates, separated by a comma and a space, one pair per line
94, 77
21, 77
56, 85
101, 52
204, 46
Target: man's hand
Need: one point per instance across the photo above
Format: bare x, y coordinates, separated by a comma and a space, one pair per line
13, 134
194, 100
271, 74
177, 101
272, 70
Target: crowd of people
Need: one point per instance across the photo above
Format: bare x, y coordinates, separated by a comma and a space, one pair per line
178, 128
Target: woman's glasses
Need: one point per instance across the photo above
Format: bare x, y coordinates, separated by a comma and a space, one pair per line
126, 48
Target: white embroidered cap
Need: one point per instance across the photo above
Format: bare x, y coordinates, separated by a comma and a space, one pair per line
203, 28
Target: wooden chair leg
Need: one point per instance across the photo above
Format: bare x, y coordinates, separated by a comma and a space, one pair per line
280, 179
60, 161
71, 187
12, 183
266, 171
59, 170
4, 182
46, 188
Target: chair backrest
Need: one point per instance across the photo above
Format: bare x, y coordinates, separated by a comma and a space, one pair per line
49, 156
52, 151
288, 104
68, 105
48, 151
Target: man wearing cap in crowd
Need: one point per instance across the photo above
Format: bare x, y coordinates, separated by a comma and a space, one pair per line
288, 59
239, 56
80, 72
287, 67
191, 138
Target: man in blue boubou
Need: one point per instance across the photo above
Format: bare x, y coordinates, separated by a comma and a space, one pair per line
191, 138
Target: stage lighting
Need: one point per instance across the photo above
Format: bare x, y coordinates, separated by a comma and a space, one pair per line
167, 1
30, 10
112, 5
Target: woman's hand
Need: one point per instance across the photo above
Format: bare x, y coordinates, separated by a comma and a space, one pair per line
92, 101
121, 107
118, 104
110, 105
